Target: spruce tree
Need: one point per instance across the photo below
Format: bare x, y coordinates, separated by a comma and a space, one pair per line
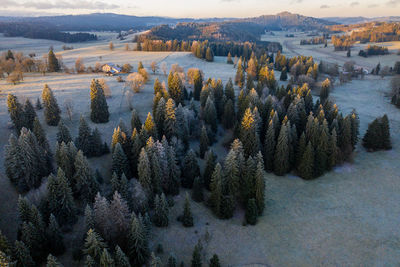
197, 84
38, 104
121, 260
84, 140
333, 151
269, 147
52, 262
204, 142
196, 256
182, 129
60, 201
98, 103
209, 55
171, 261
22, 256
306, 167
284, 75
52, 62
105, 259
251, 212
210, 159
16, 112
85, 183
63, 134
259, 189
51, 108
135, 120
216, 187
138, 249
89, 218
150, 126
120, 163
161, 211
210, 115
175, 87
190, 169
187, 217
144, 171
170, 119
29, 114
281, 161
43, 143
386, 142
214, 261
94, 245
321, 153
55, 237
248, 134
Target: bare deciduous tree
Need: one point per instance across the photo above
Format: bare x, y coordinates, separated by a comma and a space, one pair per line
135, 81
79, 66
164, 68
111, 46
69, 107
154, 67
15, 77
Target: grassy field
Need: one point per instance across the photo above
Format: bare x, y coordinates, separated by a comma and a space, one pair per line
348, 217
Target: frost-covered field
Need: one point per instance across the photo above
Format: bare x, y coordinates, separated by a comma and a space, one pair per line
348, 217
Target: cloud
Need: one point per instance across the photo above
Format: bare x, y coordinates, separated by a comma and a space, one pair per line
229, 1
373, 5
41, 5
353, 4
393, 3
324, 6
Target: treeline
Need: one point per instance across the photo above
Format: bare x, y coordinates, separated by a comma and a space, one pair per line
199, 49
313, 41
372, 32
19, 29
342, 43
373, 50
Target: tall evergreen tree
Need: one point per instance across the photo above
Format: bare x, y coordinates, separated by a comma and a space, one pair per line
52, 262
135, 120
251, 212
306, 167
52, 62
98, 103
85, 183
120, 163
281, 161
216, 187
144, 171
170, 119
248, 134
138, 249
187, 217
29, 114
190, 169
175, 88
83, 141
210, 115
269, 147
106, 260
161, 211
22, 256
197, 84
210, 159
55, 237
204, 142
121, 260
196, 256
259, 189
51, 108
94, 245
150, 126
63, 134
16, 111
214, 261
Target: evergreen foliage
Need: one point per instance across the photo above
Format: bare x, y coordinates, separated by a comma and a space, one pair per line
52, 62
161, 211
377, 136
98, 103
63, 134
251, 212
187, 217
190, 169
51, 108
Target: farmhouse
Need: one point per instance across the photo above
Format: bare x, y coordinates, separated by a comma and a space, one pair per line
110, 69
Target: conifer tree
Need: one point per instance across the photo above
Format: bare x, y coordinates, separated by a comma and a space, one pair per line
51, 108
259, 195
210, 159
144, 171
197, 84
120, 213
196, 256
228, 118
333, 150
155, 261
22, 256
204, 142
85, 183
94, 245
120, 163
210, 114
63, 134
229, 58
269, 147
89, 218
55, 237
281, 160
135, 120
43, 143
38, 104
121, 260
60, 201
306, 167
170, 119
321, 153
52, 262
190, 169
29, 114
175, 87
325, 90
248, 134
386, 142
174, 172
197, 191
52, 62
214, 261
16, 112
239, 78
138, 249
209, 55
89, 262
216, 187
230, 91
150, 126
83, 141
161, 211
105, 259
283, 76
171, 261
160, 116
182, 129
98, 103
251, 212
187, 217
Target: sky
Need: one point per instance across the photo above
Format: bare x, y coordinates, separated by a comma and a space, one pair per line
203, 8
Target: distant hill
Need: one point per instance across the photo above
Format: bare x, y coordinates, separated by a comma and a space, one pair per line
358, 20
287, 20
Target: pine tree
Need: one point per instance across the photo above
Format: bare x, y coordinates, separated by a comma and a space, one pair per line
251, 212
94, 245
22, 256
306, 167
333, 150
51, 109
160, 116
321, 153
204, 142
98, 103
16, 112
121, 260
281, 161
196, 256
190, 169
52, 62
197, 84
214, 261
55, 237
197, 191
85, 183
60, 201
210, 115
120, 213
161, 211
120, 163
52, 262
106, 260
135, 120
138, 249
63, 134
187, 217
43, 143
97, 145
